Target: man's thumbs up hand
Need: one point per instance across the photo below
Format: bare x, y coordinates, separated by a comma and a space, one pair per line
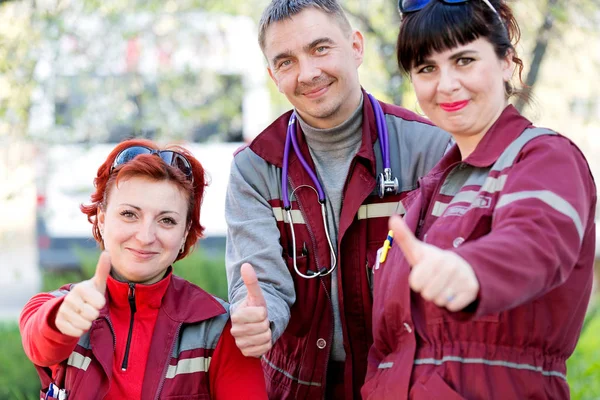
83, 303
255, 296
249, 323
440, 276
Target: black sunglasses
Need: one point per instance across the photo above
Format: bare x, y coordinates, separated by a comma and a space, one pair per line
408, 6
170, 157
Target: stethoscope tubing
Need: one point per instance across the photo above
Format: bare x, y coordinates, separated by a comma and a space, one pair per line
292, 141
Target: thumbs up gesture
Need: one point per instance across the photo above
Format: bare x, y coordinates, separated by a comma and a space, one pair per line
440, 276
249, 323
85, 300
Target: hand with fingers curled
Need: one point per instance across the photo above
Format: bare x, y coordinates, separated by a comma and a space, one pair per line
83, 303
250, 324
440, 276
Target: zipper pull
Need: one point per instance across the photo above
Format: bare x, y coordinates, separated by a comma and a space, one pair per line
131, 297
304, 249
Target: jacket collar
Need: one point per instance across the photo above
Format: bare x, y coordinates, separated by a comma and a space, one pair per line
182, 301
505, 130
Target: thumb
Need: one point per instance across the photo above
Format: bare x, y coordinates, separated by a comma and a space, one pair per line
255, 296
102, 271
411, 246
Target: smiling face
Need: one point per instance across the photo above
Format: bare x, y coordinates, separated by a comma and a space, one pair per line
462, 90
144, 227
314, 63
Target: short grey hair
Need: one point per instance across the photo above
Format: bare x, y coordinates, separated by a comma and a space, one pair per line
279, 10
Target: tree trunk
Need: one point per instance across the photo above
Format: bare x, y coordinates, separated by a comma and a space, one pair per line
539, 51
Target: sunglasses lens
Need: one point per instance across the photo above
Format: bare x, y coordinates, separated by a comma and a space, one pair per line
170, 157
129, 154
406, 6
178, 161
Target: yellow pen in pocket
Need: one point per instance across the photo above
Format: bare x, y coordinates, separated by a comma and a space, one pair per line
386, 246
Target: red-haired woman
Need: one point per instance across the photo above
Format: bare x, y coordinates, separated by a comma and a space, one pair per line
135, 330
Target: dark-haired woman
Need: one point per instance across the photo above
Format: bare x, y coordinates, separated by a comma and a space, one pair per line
484, 292
135, 330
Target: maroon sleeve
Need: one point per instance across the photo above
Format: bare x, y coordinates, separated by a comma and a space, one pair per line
43, 343
544, 213
232, 375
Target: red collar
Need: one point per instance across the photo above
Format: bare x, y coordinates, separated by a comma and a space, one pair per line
149, 296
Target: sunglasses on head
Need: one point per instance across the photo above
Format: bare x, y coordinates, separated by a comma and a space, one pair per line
409, 6
170, 157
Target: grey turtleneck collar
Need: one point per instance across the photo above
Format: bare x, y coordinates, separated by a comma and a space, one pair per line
347, 134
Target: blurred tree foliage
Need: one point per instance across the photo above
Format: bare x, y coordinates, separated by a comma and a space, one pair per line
28, 25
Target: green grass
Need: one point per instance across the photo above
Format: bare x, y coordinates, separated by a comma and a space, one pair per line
583, 368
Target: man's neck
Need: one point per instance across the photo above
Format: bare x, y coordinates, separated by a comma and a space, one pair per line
343, 135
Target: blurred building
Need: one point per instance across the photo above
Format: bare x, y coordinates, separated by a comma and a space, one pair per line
192, 78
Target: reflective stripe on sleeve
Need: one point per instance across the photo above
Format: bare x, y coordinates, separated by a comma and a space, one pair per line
189, 366
551, 199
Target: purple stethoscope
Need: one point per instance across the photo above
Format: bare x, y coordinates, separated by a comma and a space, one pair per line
386, 183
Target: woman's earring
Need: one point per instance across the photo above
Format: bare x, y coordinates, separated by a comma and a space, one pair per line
182, 248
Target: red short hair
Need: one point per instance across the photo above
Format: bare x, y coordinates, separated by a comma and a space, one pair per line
154, 168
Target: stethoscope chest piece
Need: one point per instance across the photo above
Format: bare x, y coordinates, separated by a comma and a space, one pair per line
386, 183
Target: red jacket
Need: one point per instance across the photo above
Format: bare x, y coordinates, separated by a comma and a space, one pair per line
191, 352
520, 211
296, 367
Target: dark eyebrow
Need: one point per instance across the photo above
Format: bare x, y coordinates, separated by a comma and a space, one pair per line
461, 54
282, 55
454, 56
306, 48
317, 42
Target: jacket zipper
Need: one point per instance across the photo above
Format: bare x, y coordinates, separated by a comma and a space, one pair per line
164, 375
131, 298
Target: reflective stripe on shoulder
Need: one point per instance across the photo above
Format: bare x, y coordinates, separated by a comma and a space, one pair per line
508, 156
79, 361
378, 210
189, 366
281, 215
495, 363
550, 198
288, 375
202, 335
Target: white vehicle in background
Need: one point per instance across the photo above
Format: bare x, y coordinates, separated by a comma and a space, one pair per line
194, 79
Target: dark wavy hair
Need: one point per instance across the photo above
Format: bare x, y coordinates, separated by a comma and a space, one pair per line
154, 168
440, 26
